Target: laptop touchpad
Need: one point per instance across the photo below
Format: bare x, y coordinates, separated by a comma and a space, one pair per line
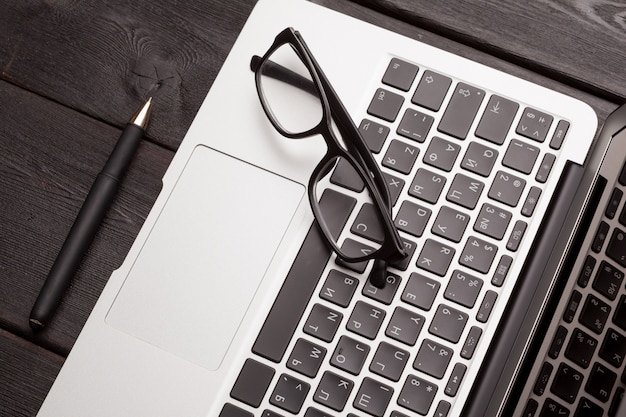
198, 271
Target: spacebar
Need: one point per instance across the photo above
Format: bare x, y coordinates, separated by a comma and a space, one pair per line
302, 279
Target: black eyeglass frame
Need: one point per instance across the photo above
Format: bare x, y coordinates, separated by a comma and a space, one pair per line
357, 152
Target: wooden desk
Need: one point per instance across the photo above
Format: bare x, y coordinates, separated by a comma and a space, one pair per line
73, 72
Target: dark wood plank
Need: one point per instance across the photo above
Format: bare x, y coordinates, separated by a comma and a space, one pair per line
49, 156
27, 373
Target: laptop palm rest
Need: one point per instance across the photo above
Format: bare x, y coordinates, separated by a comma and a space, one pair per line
196, 275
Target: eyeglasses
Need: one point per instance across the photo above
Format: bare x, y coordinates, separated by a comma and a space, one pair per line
300, 102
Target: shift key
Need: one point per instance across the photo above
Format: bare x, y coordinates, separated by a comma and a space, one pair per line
461, 111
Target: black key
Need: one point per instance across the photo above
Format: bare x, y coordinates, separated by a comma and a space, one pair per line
230, 410
479, 159
471, 342
545, 168
400, 156
306, 358
352, 247
367, 224
252, 383
433, 358
400, 74
427, 185
531, 201
448, 323
349, 355
339, 288
502, 270
454, 382
601, 235
587, 271
613, 348
543, 378
384, 295
385, 105
507, 188
478, 254
581, 348
431, 90
417, 395
405, 326
465, 191
587, 408
557, 342
289, 393
534, 124
600, 382
450, 224
559, 134
572, 306
333, 391
553, 409
412, 218
616, 249
492, 221
435, 257
374, 134
365, 320
443, 408
395, 186
594, 314
420, 291
619, 317
496, 121
415, 125
567, 382
531, 408
396, 414
314, 412
520, 156
622, 175
345, 176
323, 322
373, 397
608, 280
300, 283
461, 110
516, 235
409, 248
613, 205
441, 153
486, 306
615, 403
463, 288
389, 361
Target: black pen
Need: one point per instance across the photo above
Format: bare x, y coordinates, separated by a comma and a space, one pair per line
89, 218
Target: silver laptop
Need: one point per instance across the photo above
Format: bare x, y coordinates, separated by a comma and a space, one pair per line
233, 303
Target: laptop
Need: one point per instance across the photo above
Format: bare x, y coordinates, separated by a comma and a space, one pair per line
510, 300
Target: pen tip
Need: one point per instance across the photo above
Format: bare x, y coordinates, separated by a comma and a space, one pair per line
142, 116
35, 324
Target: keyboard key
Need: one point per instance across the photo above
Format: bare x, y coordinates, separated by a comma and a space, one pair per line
435, 257
400, 74
409, 248
230, 410
516, 235
479, 159
463, 288
552, 408
389, 361
545, 168
587, 271
427, 185
613, 348
441, 153
448, 323
542, 379
587, 408
339, 288
531, 408
601, 235
614, 201
557, 342
333, 391
531, 201
620, 313
534, 124
567, 382
608, 280
373, 397
502, 270
497, 119
581, 348
374, 134
572, 306
405, 326
615, 403
478, 255
465, 191
349, 355
289, 393
253, 381
415, 125
507, 188
365, 320
412, 218
461, 111
306, 358
431, 90
314, 412
520, 156
594, 314
354, 248
345, 176
443, 408
323, 322
433, 358
616, 249
473, 337
400, 156
394, 185
450, 224
384, 295
367, 224
600, 382
385, 105
420, 291
492, 221
454, 382
417, 395
559, 134
486, 306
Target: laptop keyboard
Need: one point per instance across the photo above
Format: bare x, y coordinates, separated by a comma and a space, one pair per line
466, 169
583, 374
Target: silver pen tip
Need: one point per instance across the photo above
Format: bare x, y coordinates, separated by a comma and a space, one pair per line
142, 116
